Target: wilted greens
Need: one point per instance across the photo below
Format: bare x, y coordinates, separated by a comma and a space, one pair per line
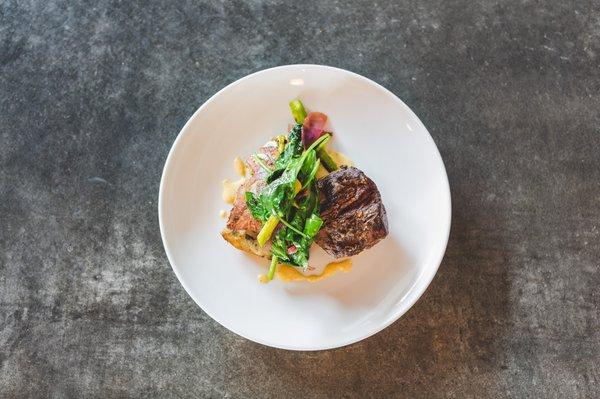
291, 199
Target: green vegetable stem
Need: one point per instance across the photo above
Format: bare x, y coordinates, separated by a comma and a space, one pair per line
267, 230
325, 158
298, 111
272, 268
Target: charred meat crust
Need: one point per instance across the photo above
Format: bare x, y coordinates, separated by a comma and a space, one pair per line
353, 213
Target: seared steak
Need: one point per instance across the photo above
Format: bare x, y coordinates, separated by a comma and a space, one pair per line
353, 214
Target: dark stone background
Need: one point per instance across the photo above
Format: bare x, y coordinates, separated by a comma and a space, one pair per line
93, 93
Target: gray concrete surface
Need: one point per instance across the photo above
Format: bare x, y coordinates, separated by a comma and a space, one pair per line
92, 95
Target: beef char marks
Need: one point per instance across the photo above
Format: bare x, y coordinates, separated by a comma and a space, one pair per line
353, 214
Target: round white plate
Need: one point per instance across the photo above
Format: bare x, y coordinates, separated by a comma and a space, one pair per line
380, 134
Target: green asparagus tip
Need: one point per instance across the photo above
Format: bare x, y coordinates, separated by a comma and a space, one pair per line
298, 111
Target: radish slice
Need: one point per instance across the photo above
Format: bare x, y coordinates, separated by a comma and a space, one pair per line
313, 127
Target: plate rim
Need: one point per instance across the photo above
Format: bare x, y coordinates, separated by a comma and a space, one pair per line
422, 281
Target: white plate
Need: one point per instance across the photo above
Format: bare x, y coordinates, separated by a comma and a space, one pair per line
380, 134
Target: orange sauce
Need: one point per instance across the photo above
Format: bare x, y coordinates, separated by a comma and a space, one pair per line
290, 273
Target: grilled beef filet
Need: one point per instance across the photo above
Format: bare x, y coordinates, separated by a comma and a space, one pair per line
353, 214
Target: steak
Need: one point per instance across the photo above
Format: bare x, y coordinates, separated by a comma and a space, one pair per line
353, 214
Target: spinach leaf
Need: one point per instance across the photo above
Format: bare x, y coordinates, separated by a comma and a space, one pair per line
292, 150
279, 247
258, 210
279, 194
307, 166
312, 226
304, 218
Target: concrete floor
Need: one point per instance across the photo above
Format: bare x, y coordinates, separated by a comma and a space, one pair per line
92, 95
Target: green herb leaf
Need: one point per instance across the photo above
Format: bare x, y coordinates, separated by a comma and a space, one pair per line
259, 212
292, 150
279, 248
313, 225
307, 166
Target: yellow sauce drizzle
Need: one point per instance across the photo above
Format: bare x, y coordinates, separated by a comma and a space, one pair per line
339, 158
230, 189
290, 273
239, 166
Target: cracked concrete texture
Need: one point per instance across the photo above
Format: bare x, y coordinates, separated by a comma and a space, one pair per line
92, 96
